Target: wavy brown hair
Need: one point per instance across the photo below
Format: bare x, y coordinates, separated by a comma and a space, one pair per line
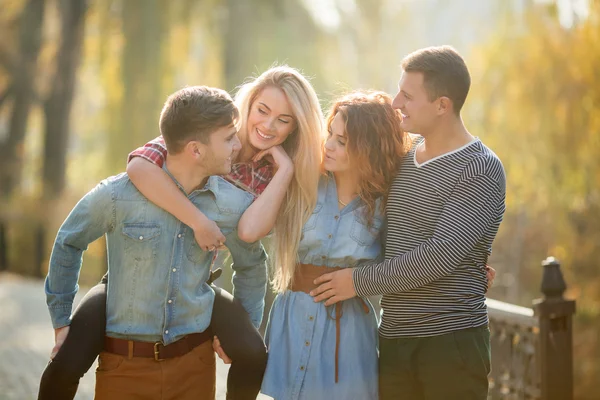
376, 143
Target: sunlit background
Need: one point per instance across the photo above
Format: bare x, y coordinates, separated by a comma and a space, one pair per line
82, 84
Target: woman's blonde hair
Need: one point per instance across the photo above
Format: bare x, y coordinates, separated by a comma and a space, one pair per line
303, 145
376, 143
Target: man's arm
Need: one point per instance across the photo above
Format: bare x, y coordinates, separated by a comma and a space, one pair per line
250, 275
474, 204
92, 217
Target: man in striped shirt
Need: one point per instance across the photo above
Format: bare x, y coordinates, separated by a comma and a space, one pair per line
443, 213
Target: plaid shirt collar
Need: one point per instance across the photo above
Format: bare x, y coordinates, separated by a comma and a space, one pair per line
253, 176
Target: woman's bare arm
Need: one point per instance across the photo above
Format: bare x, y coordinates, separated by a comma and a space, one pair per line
159, 188
259, 219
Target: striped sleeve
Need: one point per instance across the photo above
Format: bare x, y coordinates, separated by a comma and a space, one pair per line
472, 207
154, 151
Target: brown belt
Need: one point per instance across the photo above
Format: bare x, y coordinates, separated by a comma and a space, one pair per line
158, 351
304, 276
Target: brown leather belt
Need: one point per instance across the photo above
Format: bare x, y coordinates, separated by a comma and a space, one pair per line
304, 276
158, 351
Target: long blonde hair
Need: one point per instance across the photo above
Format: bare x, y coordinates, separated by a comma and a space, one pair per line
303, 146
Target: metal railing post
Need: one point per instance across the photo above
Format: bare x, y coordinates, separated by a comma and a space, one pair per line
555, 314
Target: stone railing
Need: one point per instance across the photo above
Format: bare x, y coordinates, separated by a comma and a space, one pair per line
532, 354
514, 336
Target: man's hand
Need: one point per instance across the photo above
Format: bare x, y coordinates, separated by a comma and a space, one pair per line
208, 235
219, 350
60, 334
491, 275
334, 287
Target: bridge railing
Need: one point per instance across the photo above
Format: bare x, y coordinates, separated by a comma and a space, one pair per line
532, 355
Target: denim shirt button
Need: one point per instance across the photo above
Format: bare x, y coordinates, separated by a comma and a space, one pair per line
141, 238
337, 217
167, 332
179, 235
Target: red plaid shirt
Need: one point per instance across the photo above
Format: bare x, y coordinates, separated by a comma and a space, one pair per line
252, 177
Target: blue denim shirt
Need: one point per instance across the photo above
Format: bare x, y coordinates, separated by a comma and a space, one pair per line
339, 238
157, 288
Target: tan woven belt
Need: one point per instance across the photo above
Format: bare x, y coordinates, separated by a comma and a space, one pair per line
303, 281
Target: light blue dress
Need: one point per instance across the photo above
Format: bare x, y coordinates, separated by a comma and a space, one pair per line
301, 334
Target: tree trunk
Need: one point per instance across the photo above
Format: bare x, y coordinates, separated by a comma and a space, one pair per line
240, 42
57, 106
143, 32
23, 78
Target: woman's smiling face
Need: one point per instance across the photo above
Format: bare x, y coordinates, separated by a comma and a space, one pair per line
271, 119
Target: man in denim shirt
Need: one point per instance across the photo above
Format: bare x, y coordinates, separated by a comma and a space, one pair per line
159, 305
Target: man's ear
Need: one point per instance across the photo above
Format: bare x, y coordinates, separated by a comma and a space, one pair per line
444, 105
195, 149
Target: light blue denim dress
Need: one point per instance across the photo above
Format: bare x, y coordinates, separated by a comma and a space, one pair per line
301, 334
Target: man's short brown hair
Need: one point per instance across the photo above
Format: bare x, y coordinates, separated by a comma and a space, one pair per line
193, 113
445, 73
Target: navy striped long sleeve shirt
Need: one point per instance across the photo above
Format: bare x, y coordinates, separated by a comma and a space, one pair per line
442, 217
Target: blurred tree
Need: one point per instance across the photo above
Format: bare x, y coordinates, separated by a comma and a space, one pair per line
57, 105
537, 104
27, 80
19, 63
262, 33
143, 24
21, 67
363, 27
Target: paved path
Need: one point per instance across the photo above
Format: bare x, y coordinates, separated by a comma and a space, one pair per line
26, 338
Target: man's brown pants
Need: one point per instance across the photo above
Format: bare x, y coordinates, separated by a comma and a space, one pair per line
191, 376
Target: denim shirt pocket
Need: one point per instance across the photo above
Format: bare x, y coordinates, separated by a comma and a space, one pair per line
141, 240
312, 220
363, 235
193, 252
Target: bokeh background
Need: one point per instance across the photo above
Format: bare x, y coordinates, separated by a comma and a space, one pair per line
82, 84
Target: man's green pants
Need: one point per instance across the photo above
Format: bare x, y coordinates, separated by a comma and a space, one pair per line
453, 366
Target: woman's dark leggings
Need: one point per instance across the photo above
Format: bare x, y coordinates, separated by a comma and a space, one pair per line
230, 322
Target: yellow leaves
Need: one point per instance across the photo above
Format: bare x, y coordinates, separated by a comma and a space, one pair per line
545, 126
560, 252
540, 97
547, 99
